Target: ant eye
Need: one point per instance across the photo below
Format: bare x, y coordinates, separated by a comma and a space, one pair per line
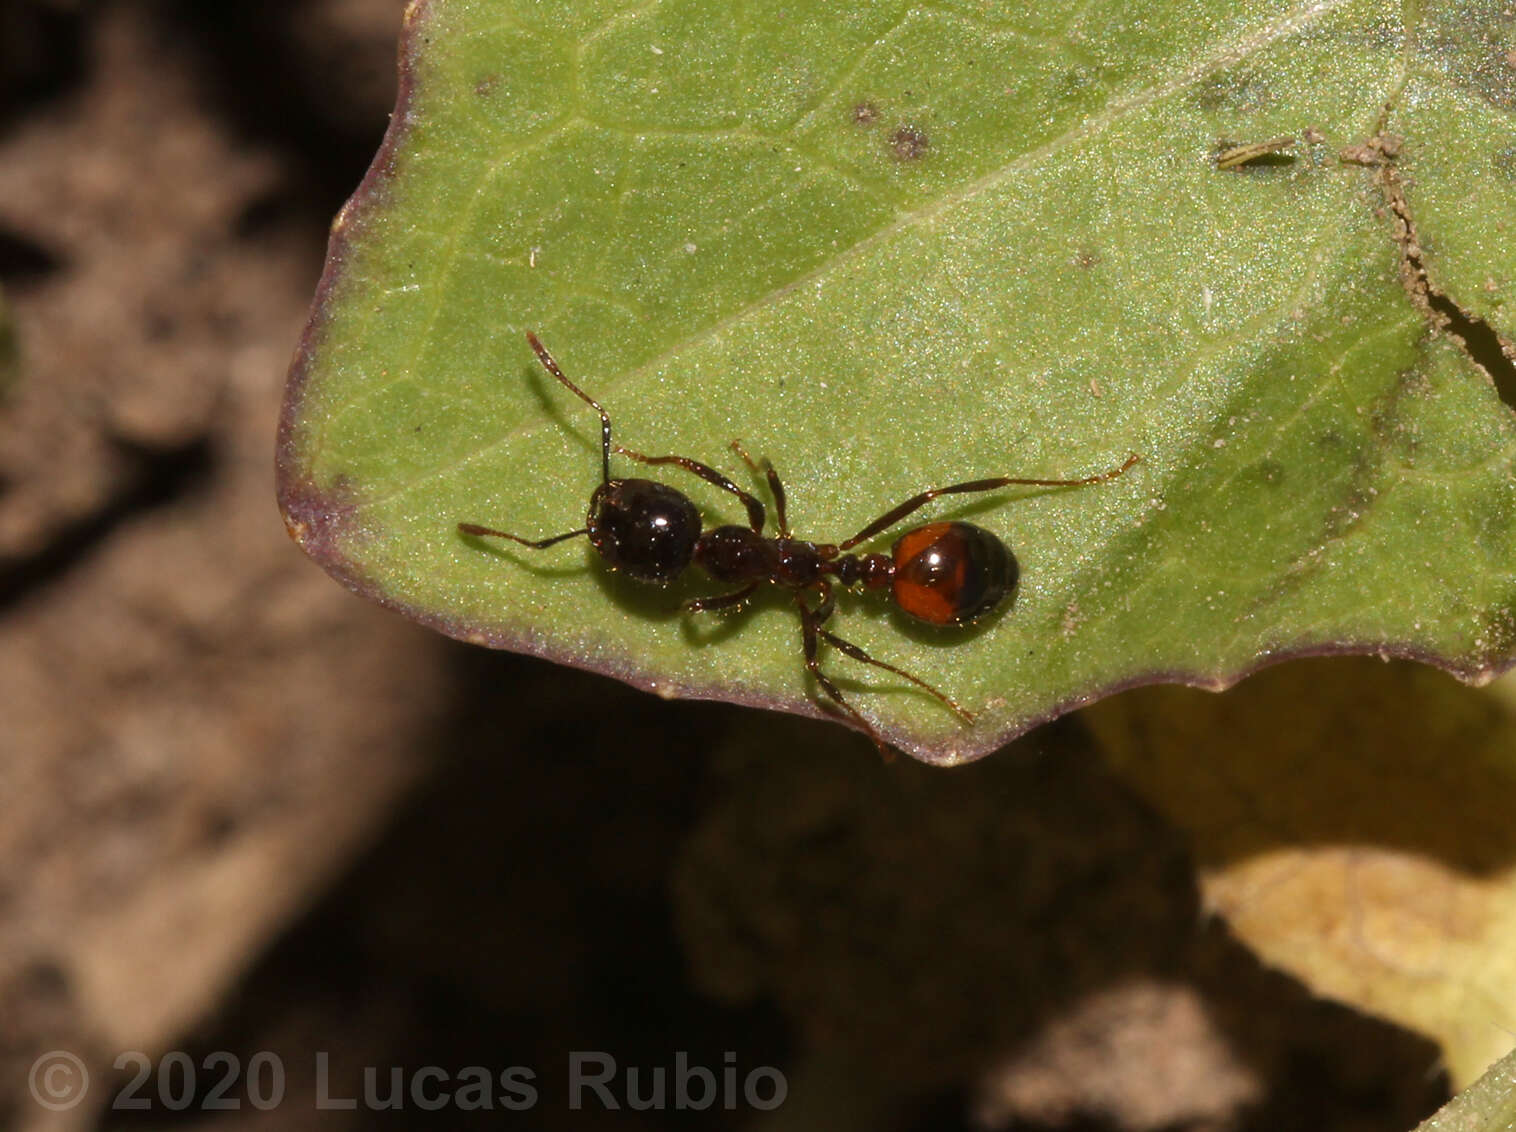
951, 573
645, 529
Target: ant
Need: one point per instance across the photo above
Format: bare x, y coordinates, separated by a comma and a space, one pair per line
944, 573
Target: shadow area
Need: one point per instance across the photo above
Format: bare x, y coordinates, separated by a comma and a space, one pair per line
593, 869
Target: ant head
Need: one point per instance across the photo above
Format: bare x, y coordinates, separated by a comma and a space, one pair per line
951, 573
645, 529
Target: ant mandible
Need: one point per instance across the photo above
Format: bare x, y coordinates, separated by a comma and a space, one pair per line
945, 573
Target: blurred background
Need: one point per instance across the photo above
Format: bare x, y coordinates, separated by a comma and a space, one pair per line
245, 815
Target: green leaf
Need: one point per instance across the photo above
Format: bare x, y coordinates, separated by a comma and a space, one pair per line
892, 247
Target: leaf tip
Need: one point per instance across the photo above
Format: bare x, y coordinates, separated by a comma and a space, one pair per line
322, 522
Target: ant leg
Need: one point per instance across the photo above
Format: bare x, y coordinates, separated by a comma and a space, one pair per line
540, 544
893, 516
755, 514
825, 605
766, 468
857, 653
721, 601
811, 634
826, 602
605, 419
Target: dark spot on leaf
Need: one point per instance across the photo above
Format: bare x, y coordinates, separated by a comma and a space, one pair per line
1505, 162
1236, 90
1211, 92
1086, 259
486, 86
1076, 80
1268, 471
865, 113
908, 143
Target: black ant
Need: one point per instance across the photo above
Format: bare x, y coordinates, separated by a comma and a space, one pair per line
944, 573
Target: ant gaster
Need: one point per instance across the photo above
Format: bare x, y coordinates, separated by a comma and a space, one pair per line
944, 573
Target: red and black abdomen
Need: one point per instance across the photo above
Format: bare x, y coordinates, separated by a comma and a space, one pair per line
951, 573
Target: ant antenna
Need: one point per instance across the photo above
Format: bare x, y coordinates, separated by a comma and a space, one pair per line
605, 418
